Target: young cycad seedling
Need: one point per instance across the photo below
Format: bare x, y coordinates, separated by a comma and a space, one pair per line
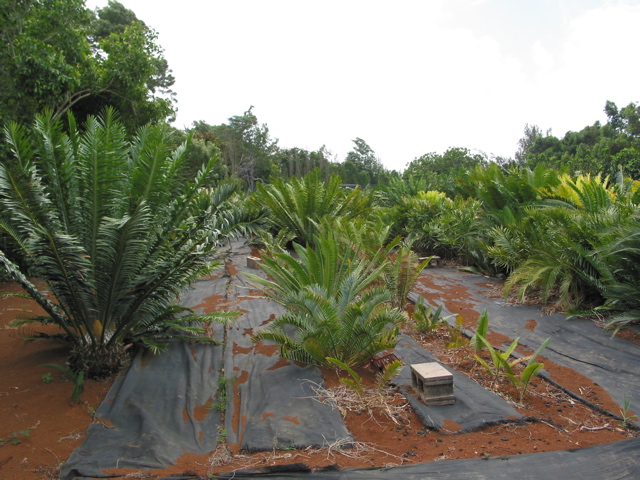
355, 382
502, 365
426, 319
456, 334
481, 331
390, 371
627, 416
76, 378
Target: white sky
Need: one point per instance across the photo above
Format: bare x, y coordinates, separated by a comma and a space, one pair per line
409, 77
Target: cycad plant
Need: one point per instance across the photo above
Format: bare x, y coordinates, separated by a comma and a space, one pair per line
621, 255
368, 238
110, 230
564, 235
333, 308
297, 206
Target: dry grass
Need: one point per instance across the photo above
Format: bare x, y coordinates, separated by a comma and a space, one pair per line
386, 400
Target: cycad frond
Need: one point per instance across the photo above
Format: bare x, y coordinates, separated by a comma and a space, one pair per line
333, 310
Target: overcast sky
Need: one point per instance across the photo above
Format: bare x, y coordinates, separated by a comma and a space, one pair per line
409, 77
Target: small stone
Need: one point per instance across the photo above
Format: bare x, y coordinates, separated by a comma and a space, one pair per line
505, 439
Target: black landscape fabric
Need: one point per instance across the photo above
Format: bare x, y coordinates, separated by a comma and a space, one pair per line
613, 461
273, 403
153, 414
161, 407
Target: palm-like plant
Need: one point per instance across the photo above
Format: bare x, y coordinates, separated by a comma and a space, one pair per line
108, 227
621, 255
334, 309
563, 235
319, 325
297, 206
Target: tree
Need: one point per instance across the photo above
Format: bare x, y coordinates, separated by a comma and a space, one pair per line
246, 147
594, 149
112, 230
134, 75
56, 54
440, 170
297, 162
361, 166
531, 134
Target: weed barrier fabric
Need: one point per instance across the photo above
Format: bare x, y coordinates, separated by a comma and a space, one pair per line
273, 404
475, 406
154, 413
613, 461
161, 408
576, 343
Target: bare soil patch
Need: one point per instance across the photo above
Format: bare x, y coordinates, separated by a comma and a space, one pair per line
34, 402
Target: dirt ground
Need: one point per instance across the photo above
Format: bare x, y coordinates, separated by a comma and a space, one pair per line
41, 426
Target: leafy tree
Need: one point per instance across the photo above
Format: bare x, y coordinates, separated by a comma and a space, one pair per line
361, 166
594, 149
112, 230
531, 134
248, 148
441, 170
134, 77
204, 145
55, 54
297, 162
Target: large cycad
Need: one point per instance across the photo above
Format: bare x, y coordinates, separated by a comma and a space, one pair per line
297, 206
111, 231
333, 308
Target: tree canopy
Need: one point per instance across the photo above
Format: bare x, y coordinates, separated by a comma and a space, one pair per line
440, 170
59, 55
594, 149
